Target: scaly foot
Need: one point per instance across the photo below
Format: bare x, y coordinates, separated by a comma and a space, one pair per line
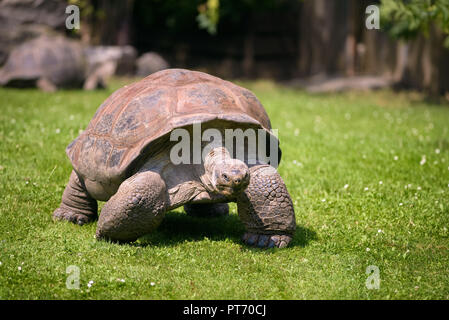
266, 240
66, 214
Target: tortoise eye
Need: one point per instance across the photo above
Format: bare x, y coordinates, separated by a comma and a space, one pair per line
225, 176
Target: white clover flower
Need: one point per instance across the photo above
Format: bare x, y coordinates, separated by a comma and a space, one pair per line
19, 268
423, 160
437, 151
323, 200
58, 130
346, 186
152, 284
396, 158
366, 189
368, 249
380, 182
418, 188
299, 164
400, 204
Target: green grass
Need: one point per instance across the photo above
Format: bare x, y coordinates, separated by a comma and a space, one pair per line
355, 140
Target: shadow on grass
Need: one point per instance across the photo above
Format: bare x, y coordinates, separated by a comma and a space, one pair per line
177, 227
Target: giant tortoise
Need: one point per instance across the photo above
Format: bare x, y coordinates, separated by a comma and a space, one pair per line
47, 62
126, 157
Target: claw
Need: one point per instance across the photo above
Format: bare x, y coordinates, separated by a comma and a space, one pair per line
285, 240
61, 214
276, 240
266, 241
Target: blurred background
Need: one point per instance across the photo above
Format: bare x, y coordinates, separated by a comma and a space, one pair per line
367, 171
319, 45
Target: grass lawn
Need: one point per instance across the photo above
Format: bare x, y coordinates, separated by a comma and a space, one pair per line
368, 174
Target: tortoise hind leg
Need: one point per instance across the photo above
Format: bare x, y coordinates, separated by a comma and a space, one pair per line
206, 210
136, 209
77, 205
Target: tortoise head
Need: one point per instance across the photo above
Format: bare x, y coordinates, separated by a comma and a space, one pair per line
228, 176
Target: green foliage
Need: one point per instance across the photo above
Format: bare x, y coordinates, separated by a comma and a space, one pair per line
86, 7
187, 16
209, 14
407, 19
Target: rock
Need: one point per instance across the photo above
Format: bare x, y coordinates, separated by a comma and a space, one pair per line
22, 20
149, 63
323, 83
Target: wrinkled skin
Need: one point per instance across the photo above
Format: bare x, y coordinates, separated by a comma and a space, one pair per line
139, 205
266, 209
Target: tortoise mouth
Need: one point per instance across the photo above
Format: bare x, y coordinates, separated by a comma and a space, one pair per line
225, 190
231, 191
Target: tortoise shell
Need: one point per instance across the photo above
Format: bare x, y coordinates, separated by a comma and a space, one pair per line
55, 58
127, 124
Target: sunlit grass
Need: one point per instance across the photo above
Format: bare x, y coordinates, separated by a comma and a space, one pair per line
368, 174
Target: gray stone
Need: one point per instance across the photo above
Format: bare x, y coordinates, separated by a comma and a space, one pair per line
149, 63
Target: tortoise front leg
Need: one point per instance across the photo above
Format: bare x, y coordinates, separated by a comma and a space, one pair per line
136, 209
266, 209
77, 205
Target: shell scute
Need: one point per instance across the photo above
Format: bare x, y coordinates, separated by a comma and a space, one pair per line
132, 118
